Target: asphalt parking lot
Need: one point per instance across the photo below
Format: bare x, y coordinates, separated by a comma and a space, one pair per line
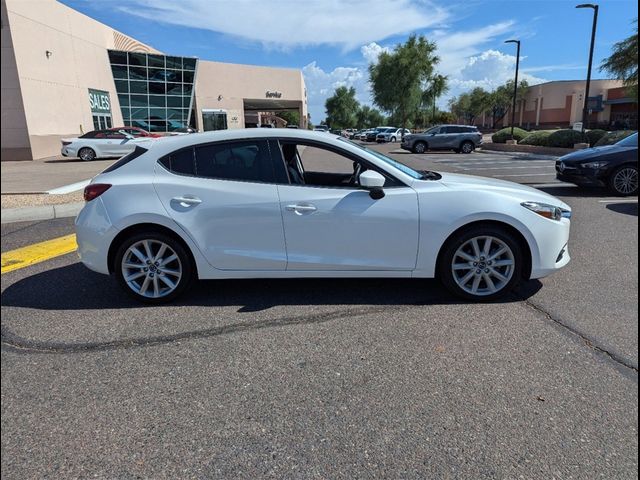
331, 378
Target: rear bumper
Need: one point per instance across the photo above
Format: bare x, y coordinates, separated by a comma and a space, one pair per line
94, 234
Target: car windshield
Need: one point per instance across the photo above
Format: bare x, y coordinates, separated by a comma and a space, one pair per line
389, 161
630, 141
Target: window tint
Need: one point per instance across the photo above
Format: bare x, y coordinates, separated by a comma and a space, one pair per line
180, 162
246, 161
126, 159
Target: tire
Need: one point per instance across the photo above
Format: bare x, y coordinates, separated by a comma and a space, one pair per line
157, 279
466, 147
393, 139
419, 147
86, 154
624, 181
469, 278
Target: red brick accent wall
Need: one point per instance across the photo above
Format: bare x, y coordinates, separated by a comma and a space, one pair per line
557, 116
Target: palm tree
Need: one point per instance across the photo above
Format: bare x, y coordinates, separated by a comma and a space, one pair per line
623, 62
437, 87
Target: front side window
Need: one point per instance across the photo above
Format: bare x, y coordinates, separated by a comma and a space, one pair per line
245, 161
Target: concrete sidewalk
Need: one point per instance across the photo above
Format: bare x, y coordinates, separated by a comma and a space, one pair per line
41, 176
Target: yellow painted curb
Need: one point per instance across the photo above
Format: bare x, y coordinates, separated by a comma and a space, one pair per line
38, 252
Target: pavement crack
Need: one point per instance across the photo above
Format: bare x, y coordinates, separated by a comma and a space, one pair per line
590, 343
20, 344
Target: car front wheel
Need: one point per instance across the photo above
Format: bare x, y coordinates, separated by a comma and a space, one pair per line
624, 180
87, 154
482, 263
153, 267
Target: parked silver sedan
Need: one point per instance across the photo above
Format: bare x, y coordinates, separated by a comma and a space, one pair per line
459, 138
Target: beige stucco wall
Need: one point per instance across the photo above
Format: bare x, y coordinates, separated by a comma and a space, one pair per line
13, 124
234, 83
554, 94
54, 88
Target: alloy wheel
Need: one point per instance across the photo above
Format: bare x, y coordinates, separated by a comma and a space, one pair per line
86, 154
151, 268
483, 265
467, 147
625, 181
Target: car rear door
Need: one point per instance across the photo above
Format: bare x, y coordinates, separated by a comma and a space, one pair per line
224, 196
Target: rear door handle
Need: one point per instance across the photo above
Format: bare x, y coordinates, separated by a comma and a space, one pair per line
301, 208
187, 201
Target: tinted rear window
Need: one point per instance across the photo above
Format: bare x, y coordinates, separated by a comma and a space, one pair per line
181, 162
247, 161
93, 134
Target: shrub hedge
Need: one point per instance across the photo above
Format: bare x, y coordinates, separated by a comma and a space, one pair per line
538, 138
501, 136
595, 135
613, 137
565, 138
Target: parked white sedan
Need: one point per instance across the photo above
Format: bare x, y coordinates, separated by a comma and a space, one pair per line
104, 143
283, 203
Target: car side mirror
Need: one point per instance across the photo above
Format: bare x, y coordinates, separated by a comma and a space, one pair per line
372, 181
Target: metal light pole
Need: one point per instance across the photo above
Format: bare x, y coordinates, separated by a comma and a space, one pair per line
515, 87
585, 108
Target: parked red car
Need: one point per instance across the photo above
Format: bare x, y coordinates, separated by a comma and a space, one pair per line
135, 131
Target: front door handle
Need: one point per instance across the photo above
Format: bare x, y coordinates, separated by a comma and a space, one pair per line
301, 208
186, 201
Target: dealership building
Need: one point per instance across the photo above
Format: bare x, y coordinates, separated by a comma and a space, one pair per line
559, 104
64, 74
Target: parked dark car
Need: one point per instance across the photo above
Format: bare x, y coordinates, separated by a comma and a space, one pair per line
459, 138
612, 166
373, 134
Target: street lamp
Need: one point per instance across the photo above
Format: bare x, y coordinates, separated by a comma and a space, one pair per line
585, 108
515, 86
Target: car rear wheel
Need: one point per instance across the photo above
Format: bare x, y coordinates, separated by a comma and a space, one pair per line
153, 267
466, 147
393, 139
87, 154
419, 147
482, 263
624, 180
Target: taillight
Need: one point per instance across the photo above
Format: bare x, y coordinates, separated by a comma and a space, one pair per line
64, 144
94, 190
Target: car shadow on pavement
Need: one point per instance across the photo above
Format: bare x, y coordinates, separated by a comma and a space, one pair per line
630, 208
73, 287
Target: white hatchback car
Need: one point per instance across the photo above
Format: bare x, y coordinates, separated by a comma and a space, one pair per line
282, 203
107, 143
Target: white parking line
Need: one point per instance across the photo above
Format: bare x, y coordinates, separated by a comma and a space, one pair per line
619, 200
512, 168
528, 175
69, 188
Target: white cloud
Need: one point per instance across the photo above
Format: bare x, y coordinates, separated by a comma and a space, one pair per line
292, 23
372, 51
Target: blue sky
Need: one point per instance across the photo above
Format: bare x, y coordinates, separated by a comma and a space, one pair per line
332, 42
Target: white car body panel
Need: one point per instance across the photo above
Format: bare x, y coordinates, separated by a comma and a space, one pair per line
104, 147
245, 230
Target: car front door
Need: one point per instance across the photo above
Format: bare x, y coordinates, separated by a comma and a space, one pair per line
224, 196
331, 224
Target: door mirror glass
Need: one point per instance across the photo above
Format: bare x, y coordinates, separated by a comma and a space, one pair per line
371, 179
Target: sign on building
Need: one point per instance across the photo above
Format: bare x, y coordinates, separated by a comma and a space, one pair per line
99, 101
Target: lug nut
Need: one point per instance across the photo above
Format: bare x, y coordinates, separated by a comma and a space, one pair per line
475, 264
478, 271
145, 269
486, 270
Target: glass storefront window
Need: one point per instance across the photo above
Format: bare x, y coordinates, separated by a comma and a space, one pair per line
154, 91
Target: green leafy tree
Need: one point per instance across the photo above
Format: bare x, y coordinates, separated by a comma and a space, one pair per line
368, 117
502, 99
292, 117
623, 62
342, 107
398, 77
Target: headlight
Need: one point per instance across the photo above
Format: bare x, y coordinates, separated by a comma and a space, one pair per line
594, 165
547, 211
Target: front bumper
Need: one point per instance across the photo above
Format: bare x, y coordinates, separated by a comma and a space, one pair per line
552, 248
581, 176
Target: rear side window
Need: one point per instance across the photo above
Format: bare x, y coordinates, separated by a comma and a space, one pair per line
93, 134
126, 159
245, 161
181, 162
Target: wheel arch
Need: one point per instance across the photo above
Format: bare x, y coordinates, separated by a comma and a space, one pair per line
520, 237
146, 227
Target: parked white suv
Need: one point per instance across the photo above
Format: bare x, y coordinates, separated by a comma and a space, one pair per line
392, 135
